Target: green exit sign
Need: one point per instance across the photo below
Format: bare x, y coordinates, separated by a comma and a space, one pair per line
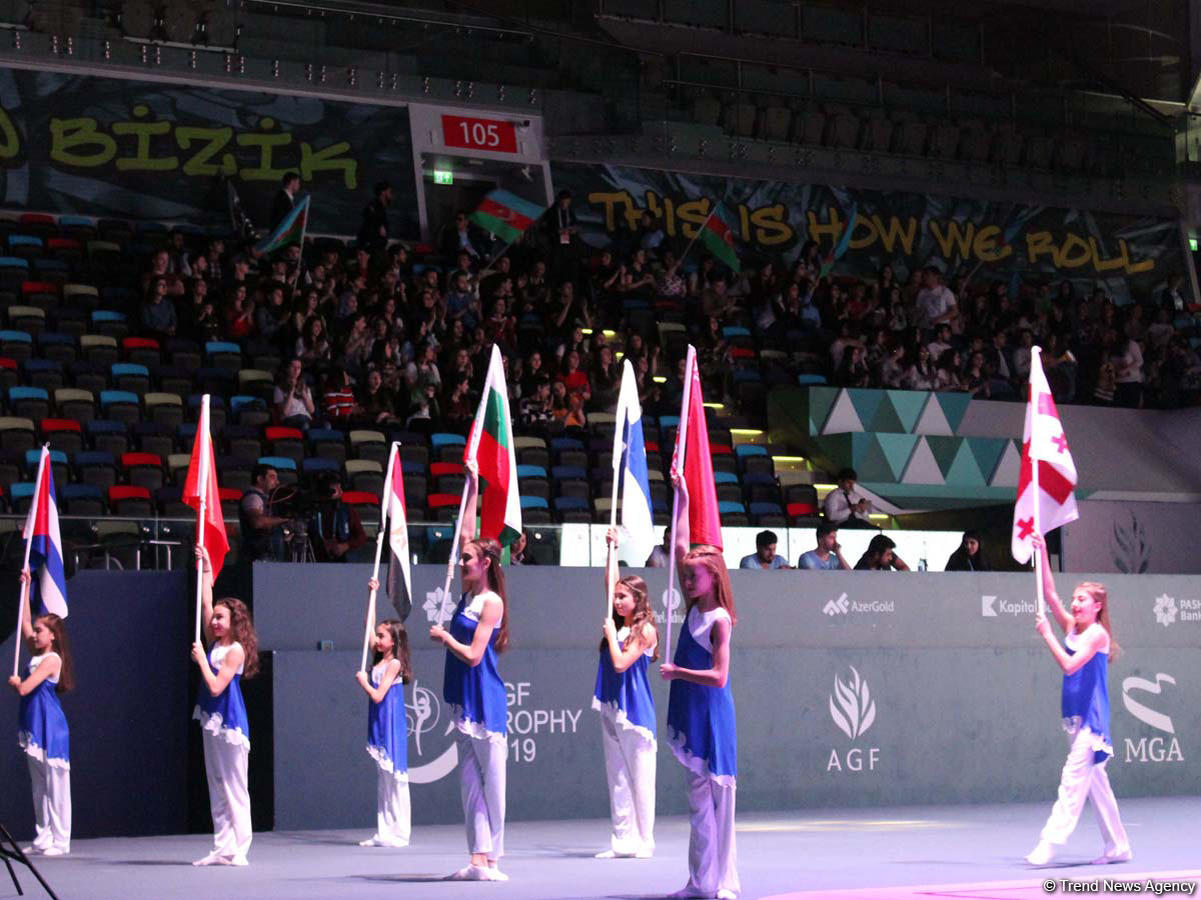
1192, 244
443, 176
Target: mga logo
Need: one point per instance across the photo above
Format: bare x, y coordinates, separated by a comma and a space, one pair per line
1156, 749
853, 711
839, 607
422, 717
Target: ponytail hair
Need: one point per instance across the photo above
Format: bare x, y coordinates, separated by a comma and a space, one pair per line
241, 629
495, 579
60, 645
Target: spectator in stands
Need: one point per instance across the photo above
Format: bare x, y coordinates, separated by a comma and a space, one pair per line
562, 230
373, 232
573, 377
462, 303
460, 236
934, 304
949, 364
535, 407
843, 507
765, 556
158, 311
357, 345
606, 379
519, 553
661, 555
881, 556
377, 404
575, 417
570, 311
921, 375
312, 347
338, 403
239, 314
827, 554
260, 530
292, 398
160, 267
1127, 359
941, 343
285, 199
716, 302
336, 528
1022, 355
968, 557
271, 318
853, 371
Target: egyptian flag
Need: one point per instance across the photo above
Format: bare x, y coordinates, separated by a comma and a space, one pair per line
202, 482
491, 446
1043, 444
693, 459
400, 579
49, 586
505, 215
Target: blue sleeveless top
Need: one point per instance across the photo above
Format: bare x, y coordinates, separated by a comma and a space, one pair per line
387, 728
700, 719
223, 716
476, 694
627, 697
1085, 698
42, 726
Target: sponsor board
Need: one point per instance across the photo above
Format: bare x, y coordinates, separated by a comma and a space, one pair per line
853, 711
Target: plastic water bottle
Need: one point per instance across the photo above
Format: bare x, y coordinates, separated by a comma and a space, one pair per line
922, 565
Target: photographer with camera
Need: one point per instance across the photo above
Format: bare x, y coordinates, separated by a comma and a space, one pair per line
262, 537
335, 526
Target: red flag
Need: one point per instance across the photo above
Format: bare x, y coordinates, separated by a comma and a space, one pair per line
202, 477
693, 458
491, 445
1043, 444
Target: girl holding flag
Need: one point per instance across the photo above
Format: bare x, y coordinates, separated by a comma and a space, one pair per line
221, 711
43, 733
627, 710
1087, 650
700, 710
472, 685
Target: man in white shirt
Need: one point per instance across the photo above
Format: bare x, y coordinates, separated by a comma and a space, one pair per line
843, 507
935, 303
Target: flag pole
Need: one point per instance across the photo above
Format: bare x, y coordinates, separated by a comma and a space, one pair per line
610, 581
202, 488
1040, 603
304, 230
697, 235
677, 465
379, 549
27, 588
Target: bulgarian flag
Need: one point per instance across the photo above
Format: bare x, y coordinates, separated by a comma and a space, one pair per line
290, 231
506, 215
693, 460
1047, 478
719, 240
491, 446
200, 488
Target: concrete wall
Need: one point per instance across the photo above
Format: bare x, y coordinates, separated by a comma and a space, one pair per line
958, 700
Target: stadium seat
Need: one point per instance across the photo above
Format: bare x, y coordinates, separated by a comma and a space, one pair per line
16, 345
131, 377
143, 469
284, 441
57, 347
250, 410
58, 461
16, 433
29, 402
130, 500
365, 475
151, 437
82, 500
96, 467
164, 409
121, 406
143, 351
63, 434
105, 434
367, 443
99, 349
328, 443
223, 355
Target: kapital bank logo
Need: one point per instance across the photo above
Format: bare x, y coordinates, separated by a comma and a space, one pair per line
853, 711
992, 606
1156, 749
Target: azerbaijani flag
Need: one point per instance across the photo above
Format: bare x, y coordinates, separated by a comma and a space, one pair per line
289, 231
693, 459
202, 482
400, 579
630, 471
505, 215
491, 446
719, 240
844, 241
49, 585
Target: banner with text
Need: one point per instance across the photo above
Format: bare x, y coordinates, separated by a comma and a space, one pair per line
1128, 255
106, 147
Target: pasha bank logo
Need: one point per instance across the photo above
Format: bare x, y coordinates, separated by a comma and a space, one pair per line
1159, 748
439, 605
853, 711
1169, 610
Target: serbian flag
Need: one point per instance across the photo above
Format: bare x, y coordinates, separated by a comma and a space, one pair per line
505, 215
289, 231
45, 545
491, 446
202, 482
1044, 443
719, 240
630, 471
692, 458
400, 579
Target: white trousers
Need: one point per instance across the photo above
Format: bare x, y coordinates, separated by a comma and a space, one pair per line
393, 816
229, 795
482, 785
712, 857
51, 805
630, 767
1083, 778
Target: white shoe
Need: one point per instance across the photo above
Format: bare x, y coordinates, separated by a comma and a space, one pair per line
606, 854
1113, 856
726, 894
370, 842
238, 860
395, 845
31, 850
644, 853
495, 874
469, 872
1042, 854
55, 851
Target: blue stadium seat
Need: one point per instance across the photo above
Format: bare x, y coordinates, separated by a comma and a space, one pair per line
536, 502
750, 450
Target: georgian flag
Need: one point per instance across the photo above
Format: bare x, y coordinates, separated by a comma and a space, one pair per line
630, 472
1045, 444
49, 585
